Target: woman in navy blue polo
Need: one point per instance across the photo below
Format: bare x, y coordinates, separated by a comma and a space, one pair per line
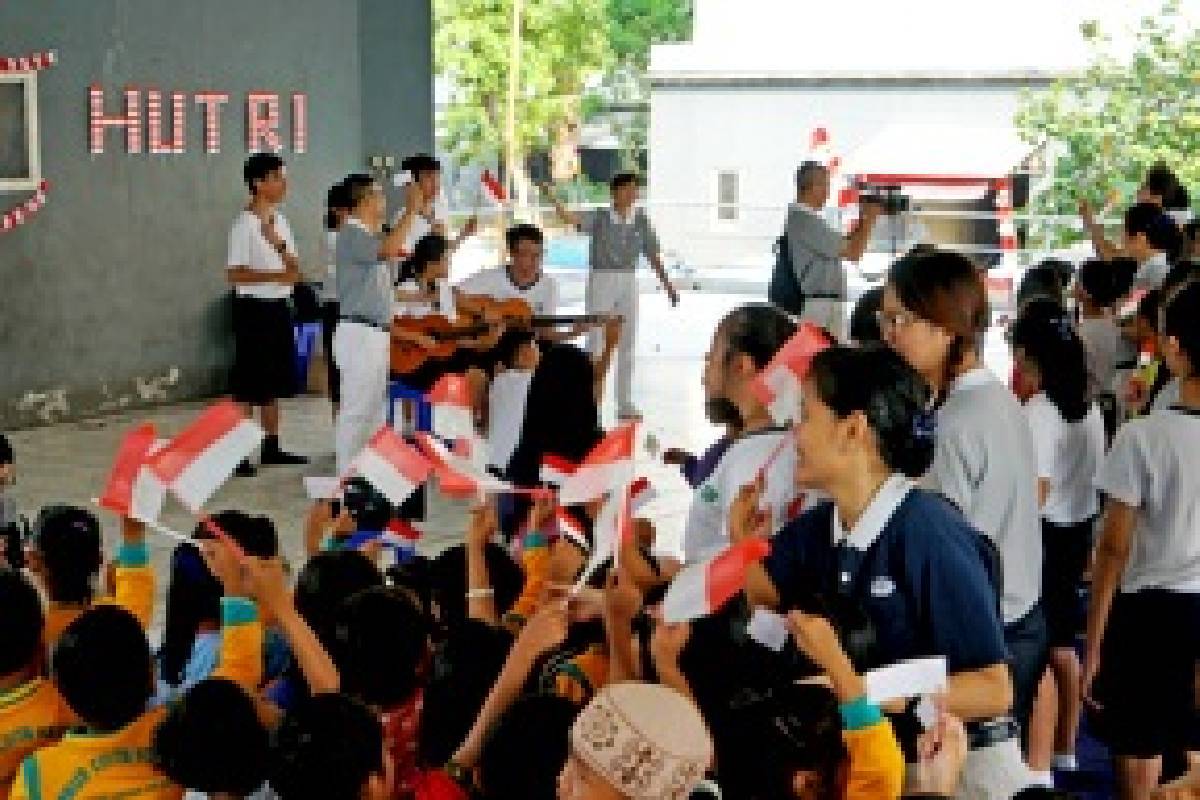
913, 563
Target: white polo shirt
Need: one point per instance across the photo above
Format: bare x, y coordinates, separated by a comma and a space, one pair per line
1102, 346
1152, 272
984, 463
706, 531
422, 225
249, 248
496, 283
1154, 466
1167, 396
1068, 455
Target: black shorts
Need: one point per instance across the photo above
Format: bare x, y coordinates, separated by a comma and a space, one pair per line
264, 360
1146, 686
1028, 655
329, 321
1065, 553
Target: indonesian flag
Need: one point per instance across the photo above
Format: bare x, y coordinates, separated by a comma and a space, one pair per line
703, 588
612, 527
390, 465
195, 463
641, 493
571, 530
458, 474
451, 401
608, 466
491, 187
132, 489
778, 385
556, 469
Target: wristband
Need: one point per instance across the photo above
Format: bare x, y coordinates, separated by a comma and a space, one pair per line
859, 714
480, 594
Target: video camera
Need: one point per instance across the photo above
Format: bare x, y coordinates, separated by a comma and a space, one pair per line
891, 199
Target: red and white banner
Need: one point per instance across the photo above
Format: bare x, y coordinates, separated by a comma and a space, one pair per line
778, 385
392, 466
21, 213
458, 474
204, 455
30, 63
451, 401
703, 588
608, 466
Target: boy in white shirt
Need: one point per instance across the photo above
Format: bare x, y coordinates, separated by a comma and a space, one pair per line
425, 172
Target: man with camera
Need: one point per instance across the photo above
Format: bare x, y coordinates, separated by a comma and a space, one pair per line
814, 289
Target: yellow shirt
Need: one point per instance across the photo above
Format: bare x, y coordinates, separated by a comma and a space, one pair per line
876, 763
133, 590
97, 766
32, 716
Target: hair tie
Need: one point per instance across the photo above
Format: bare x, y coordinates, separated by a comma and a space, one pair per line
924, 425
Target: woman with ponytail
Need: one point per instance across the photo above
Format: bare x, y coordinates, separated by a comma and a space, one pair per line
935, 314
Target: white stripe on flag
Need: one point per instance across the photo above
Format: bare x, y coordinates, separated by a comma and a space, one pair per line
381, 474
452, 421
200, 479
593, 480
687, 596
784, 385
148, 496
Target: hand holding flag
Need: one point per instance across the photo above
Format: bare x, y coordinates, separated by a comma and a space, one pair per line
703, 588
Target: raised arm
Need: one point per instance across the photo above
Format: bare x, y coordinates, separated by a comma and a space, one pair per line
1104, 248
568, 216
857, 240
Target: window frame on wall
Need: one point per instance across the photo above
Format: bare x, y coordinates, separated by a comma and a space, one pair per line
720, 205
32, 151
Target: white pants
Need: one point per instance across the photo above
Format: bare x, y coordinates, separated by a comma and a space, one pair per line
829, 314
361, 353
616, 293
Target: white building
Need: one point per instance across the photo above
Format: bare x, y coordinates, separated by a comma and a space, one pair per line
920, 94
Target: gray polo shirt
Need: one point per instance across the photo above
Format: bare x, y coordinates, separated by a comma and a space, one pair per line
816, 253
364, 283
985, 463
616, 243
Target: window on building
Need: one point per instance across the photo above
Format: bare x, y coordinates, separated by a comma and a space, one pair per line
19, 162
728, 196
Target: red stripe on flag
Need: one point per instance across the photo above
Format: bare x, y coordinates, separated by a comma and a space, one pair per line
131, 455
559, 464
216, 421
451, 390
727, 572
617, 446
494, 187
406, 460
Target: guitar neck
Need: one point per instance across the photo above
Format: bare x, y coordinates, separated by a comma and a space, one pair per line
568, 319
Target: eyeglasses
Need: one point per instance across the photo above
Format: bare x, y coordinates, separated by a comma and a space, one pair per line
901, 319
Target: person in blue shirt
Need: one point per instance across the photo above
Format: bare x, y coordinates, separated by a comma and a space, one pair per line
923, 576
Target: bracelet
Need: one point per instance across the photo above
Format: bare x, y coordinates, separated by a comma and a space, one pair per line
480, 594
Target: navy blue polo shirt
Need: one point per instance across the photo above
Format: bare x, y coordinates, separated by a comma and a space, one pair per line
924, 580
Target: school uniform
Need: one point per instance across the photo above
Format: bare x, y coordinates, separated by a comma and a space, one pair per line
362, 341
1102, 348
329, 313
617, 243
706, 531
1146, 682
1152, 272
924, 577
32, 715
984, 463
498, 284
1068, 456
424, 224
264, 339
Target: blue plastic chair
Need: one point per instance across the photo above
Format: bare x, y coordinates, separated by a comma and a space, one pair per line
397, 391
306, 335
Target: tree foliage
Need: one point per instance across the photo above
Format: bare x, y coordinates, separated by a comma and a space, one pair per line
1104, 126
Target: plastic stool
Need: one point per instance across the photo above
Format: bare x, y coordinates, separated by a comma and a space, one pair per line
306, 334
397, 391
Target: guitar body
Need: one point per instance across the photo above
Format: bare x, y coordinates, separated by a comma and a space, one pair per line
407, 357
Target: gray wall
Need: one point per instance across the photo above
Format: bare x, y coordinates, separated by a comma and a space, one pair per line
113, 295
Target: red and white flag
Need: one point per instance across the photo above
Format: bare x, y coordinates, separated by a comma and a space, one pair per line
703, 588
608, 466
556, 469
132, 490
491, 188
392, 466
612, 527
451, 401
572, 530
204, 455
778, 385
458, 474
641, 493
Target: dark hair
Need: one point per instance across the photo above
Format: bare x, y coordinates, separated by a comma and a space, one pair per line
69, 541
947, 290
1125, 270
757, 330
6, 451
875, 381
381, 639
1160, 230
194, 594
1100, 281
1161, 180
337, 198
327, 747
211, 740
326, 581
1181, 320
806, 172
1184, 271
429, 248
523, 232
526, 749
448, 577
420, 164
103, 668
1049, 341
21, 622
864, 320
511, 342
624, 179
257, 167
1148, 307
358, 188
366, 505
1044, 281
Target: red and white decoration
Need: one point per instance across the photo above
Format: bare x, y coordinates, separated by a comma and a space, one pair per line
458, 474
451, 401
392, 466
703, 588
607, 467
556, 469
262, 126
122, 493
641, 493
570, 529
299, 123
491, 187
33, 62
130, 120
159, 145
204, 455
778, 385
211, 103
20, 214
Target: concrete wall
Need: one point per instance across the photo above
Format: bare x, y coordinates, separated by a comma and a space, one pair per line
113, 295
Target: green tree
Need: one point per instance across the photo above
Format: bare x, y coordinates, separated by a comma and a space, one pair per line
563, 50
635, 25
1104, 126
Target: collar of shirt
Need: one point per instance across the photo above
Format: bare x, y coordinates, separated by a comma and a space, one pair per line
1156, 260
358, 223
622, 220
875, 516
819, 213
970, 380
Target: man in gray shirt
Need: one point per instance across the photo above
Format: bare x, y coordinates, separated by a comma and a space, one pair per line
620, 235
817, 249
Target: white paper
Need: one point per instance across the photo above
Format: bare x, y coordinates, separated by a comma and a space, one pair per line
920, 676
768, 629
321, 488
927, 713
